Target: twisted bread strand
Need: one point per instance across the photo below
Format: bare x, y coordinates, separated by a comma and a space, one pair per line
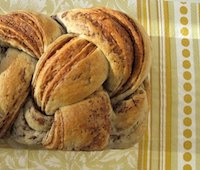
30, 32
90, 87
30, 126
16, 73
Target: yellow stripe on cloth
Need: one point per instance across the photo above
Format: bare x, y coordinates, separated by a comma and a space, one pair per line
168, 88
196, 43
143, 146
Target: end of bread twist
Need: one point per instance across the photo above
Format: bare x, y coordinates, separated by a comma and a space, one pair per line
28, 31
81, 126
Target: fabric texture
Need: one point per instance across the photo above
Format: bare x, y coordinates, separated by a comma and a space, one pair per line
173, 137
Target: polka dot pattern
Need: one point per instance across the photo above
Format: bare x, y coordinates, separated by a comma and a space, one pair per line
184, 31
187, 75
186, 53
185, 42
187, 121
187, 110
187, 145
187, 98
187, 156
187, 167
187, 133
186, 64
187, 87
184, 21
183, 10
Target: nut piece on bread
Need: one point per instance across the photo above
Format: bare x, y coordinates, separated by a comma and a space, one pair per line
74, 81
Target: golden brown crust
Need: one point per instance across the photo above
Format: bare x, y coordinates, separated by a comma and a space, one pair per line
19, 69
85, 125
130, 111
28, 31
135, 81
91, 80
129, 122
131, 27
109, 36
77, 74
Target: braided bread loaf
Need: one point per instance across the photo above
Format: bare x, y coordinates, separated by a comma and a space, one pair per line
74, 81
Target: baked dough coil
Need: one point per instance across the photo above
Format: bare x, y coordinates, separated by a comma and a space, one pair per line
87, 84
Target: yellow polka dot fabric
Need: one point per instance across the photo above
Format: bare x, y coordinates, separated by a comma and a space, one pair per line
186, 64
187, 133
172, 140
184, 20
187, 156
185, 42
183, 10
